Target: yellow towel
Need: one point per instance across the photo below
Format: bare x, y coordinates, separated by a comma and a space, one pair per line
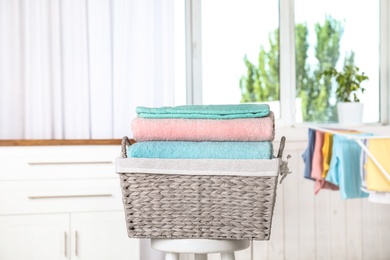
327, 153
380, 148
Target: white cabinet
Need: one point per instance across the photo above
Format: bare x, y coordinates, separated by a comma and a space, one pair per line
34, 237
86, 236
101, 236
62, 202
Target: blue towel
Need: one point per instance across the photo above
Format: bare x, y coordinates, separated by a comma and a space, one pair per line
206, 111
201, 150
345, 166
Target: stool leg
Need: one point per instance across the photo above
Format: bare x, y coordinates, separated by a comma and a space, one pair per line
227, 256
200, 256
172, 256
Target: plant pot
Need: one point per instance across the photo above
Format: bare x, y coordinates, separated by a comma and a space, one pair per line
350, 113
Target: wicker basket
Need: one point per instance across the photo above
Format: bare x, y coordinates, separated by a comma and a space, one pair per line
208, 199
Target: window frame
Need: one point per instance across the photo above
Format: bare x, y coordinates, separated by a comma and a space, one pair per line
384, 64
287, 59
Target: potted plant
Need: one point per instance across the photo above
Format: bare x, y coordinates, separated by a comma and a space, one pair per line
349, 108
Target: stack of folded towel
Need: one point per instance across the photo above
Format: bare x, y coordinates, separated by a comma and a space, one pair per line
243, 131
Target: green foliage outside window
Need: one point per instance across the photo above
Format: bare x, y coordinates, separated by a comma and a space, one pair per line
261, 83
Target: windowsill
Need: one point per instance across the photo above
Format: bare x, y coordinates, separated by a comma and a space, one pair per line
298, 132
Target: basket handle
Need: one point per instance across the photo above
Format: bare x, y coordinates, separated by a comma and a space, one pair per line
283, 167
125, 143
281, 147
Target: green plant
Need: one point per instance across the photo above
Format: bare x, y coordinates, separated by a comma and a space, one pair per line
348, 80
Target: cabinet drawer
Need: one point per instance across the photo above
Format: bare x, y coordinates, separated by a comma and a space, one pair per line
57, 162
55, 196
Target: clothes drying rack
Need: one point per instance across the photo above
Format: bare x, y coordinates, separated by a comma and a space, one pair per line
358, 140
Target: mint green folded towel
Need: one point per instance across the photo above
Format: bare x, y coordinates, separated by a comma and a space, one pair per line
201, 150
206, 111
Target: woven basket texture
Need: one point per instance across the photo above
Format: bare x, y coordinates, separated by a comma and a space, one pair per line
195, 206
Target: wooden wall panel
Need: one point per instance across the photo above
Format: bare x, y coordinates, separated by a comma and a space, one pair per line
337, 227
322, 214
384, 227
353, 219
370, 230
306, 211
291, 202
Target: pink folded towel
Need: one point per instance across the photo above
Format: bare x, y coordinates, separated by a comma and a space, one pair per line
180, 129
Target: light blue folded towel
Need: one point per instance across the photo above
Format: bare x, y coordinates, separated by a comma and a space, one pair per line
206, 111
201, 150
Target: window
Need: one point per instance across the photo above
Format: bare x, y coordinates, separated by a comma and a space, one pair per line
240, 52
334, 37
232, 30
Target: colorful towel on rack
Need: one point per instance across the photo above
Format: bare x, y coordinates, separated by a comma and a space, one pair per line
317, 165
344, 169
182, 129
201, 150
326, 153
307, 156
317, 159
206, 111
327, 148
375, 180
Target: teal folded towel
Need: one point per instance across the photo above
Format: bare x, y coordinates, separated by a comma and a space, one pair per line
201, 150
206, 111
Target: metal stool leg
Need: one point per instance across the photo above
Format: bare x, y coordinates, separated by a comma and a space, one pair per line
200, 256
172, 256
227, 256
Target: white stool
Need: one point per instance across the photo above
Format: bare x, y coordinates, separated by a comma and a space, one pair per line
199, 247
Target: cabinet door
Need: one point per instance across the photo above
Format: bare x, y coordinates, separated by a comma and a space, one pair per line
34, 237
102, 236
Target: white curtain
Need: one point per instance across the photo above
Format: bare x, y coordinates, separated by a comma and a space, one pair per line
73, 69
